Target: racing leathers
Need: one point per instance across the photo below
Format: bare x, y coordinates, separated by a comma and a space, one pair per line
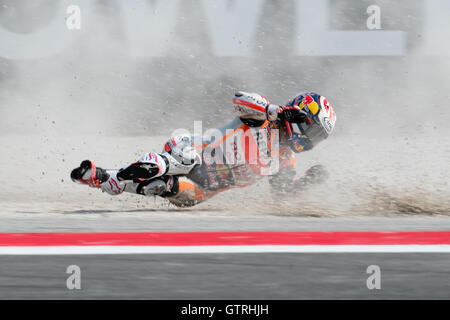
193, 168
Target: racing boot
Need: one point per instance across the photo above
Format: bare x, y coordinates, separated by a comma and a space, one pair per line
88, 173
96, 177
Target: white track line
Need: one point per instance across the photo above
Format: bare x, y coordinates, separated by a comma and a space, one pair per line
91, 250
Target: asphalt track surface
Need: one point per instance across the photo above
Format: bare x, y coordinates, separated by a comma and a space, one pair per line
178, 221
224, 275
227, 276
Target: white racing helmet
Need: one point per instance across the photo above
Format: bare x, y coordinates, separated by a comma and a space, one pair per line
181, 153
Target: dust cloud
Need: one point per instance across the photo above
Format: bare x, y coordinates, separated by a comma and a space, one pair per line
95, 99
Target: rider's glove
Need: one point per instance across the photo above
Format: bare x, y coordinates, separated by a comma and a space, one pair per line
273, 112
286, 113
292, 114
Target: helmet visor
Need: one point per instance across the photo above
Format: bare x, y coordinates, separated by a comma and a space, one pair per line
312, 132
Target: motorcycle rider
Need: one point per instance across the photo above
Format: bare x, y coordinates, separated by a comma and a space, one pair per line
303, 122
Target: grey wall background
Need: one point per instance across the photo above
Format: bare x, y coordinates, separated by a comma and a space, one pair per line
96, 84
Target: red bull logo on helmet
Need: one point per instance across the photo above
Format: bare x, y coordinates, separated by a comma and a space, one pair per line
308, 103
